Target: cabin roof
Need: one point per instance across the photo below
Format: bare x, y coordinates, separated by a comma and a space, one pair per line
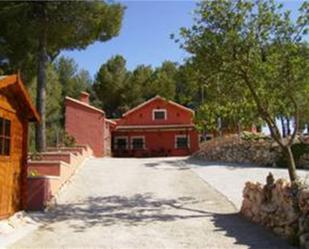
154, 99
14, 84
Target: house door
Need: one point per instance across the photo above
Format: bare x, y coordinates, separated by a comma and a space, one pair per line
11, 131
161, 147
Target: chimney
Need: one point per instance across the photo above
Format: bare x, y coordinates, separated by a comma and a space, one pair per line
84, 97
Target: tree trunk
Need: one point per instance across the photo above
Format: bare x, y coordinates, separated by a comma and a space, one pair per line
283, 127
275, 131
288, 127
239, 128
40, 132
291, 163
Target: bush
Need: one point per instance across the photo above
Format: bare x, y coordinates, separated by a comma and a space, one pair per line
251, 136
298, 150
69, 141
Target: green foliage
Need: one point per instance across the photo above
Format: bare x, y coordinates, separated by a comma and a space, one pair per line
110, 84
188, 90
250, 136
254, 59
164, 81
72, 79
64, 79
298, 150
32, 34
70, 25
246, 51
54, 102
138, 87
68, 140
119, 89
233, 115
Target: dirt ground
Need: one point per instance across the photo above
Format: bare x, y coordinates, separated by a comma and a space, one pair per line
144, 203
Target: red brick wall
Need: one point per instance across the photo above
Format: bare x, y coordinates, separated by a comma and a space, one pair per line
86, 125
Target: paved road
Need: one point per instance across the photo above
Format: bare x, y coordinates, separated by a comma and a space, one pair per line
144, 203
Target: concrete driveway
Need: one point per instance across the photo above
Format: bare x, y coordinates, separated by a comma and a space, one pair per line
144, 203
230, 179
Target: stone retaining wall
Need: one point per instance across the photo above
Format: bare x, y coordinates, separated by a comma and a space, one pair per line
234, 149
274, 206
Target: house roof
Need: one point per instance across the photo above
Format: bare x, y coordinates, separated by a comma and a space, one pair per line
170, 126
153, 99
14, 84
110, 121
84, 104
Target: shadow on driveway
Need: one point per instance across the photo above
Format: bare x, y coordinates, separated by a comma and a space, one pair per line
143, 209
170, 164
187, 163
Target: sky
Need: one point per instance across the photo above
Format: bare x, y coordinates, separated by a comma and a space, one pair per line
145, 35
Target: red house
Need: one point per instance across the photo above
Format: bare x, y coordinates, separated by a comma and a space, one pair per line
157, 127
88, 125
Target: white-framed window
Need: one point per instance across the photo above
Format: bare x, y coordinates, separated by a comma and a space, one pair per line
159, 114
182, 142
137, 142
121, 143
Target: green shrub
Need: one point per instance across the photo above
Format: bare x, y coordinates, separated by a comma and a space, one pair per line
298, 150
251, 136
69, 141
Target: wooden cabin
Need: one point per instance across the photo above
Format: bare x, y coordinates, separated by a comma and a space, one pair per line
16, 110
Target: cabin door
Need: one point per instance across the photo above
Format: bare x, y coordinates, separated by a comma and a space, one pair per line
11, 141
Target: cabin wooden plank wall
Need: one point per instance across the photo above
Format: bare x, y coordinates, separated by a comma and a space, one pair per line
10, 158
16, 111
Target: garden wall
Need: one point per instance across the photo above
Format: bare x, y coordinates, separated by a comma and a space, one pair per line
251, 148
49, 171
274, 206
234, 149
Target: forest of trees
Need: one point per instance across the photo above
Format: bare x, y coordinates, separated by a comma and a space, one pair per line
118, 89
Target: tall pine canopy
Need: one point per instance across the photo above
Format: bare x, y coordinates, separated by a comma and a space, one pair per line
33, 33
